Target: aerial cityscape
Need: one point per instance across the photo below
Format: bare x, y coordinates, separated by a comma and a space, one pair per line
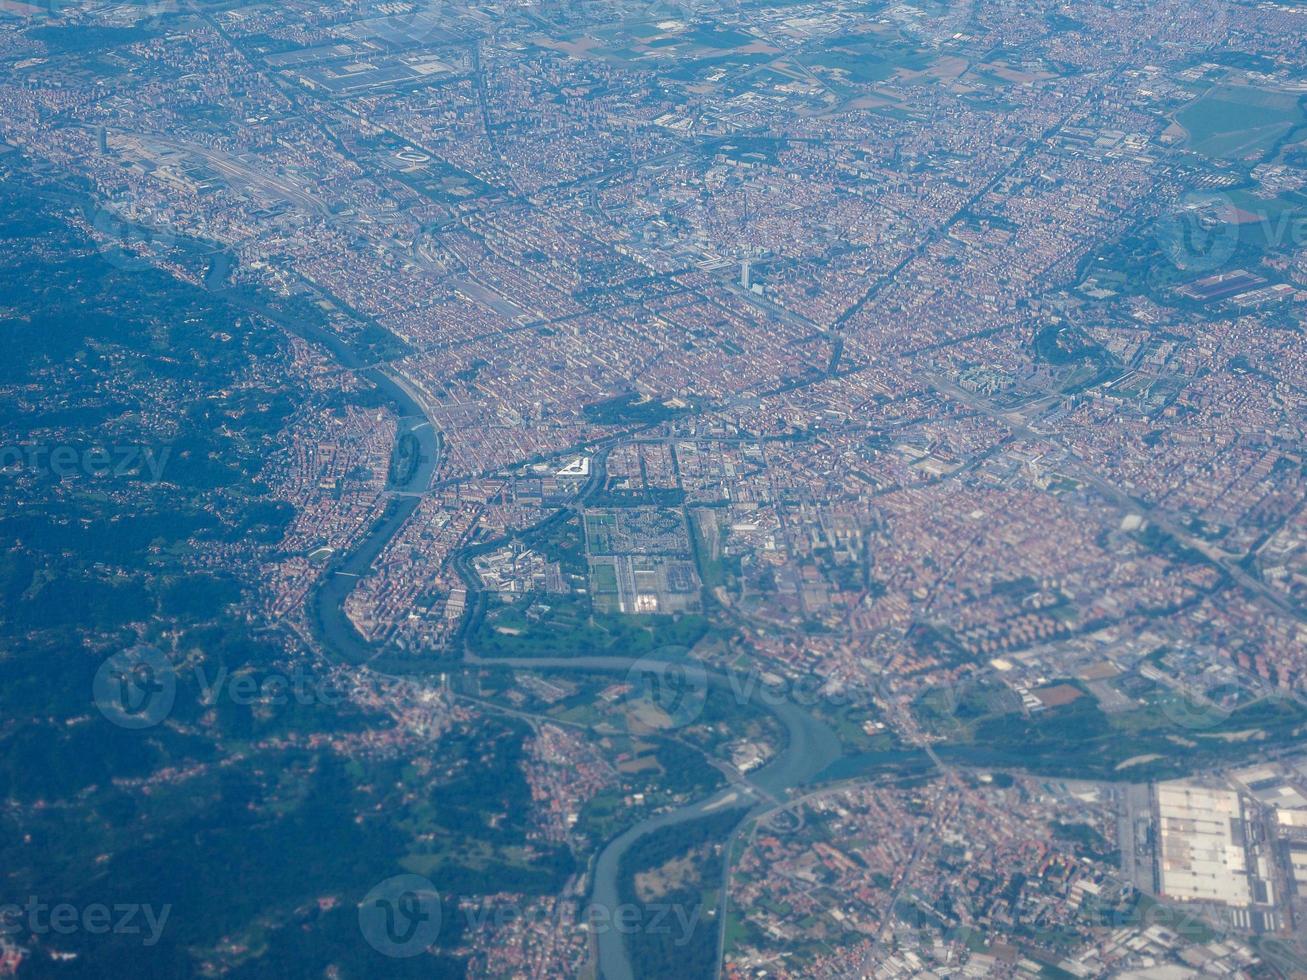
554, 488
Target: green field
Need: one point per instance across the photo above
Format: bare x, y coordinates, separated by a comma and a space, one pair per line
1078, 739
868, 58
562, 626
1236, 120
599, 532
603, 578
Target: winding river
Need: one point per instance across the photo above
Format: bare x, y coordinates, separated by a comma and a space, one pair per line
810, 745
327, 602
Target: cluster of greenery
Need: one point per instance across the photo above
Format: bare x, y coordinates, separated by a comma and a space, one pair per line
561, 541
864, 756
686, 771
1079, 740
480, 815
1088, 363
1088, 841
87, 39
233, 810
404, 460
629, 409
666, 950
724, 570
96, 356
868, 58
564, 626
643, 496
